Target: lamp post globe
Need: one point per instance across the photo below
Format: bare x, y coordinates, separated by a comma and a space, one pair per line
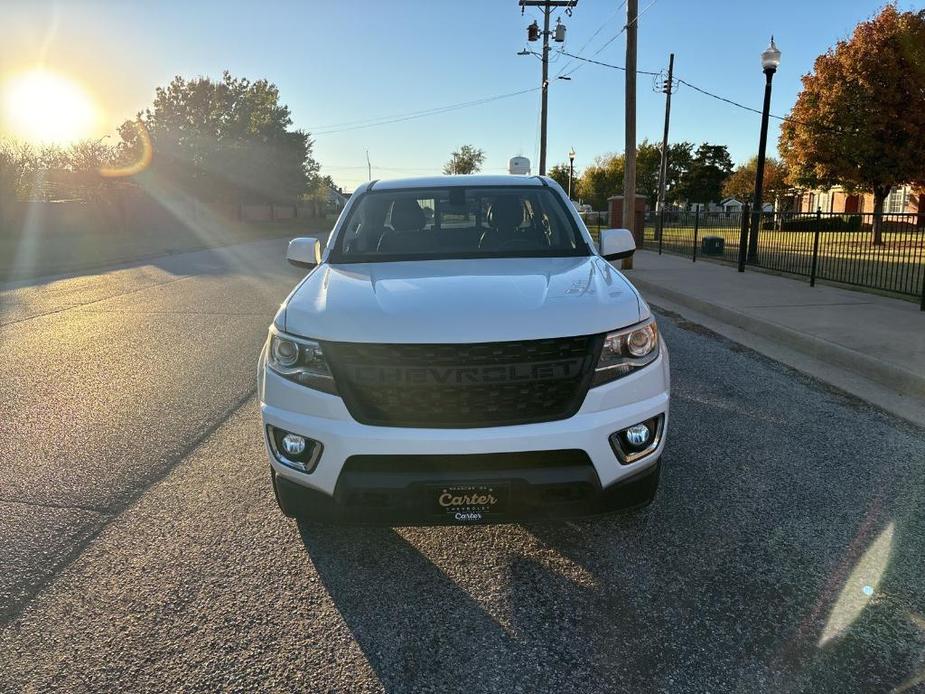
770, 57
770, 60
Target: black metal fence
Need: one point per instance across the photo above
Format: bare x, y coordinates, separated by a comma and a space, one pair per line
835, 247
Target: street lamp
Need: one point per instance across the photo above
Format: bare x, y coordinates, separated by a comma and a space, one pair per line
770, 59
571, 170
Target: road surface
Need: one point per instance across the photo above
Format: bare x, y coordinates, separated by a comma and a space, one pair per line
141, 547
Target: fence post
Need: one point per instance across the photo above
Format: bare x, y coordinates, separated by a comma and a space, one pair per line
661, 229
743, 238
922, 305
812, 267
696, 229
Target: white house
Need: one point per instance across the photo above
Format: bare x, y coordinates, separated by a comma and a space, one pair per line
730, 205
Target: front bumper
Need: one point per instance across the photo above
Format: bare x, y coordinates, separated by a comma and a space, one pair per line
545, 494
323, 493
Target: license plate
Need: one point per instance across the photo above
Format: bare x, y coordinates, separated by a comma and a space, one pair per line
470, 502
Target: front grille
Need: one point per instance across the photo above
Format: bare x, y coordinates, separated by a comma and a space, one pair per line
464, 385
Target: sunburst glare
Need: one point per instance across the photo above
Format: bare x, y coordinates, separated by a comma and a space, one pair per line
45, 107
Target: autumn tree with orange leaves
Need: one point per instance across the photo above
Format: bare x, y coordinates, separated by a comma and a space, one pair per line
859, 121
741, 182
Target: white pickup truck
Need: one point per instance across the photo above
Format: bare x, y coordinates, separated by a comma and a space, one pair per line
461, 352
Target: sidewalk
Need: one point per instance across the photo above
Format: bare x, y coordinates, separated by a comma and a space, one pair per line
875, 337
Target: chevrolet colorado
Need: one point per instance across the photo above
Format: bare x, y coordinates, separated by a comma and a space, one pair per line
462, 352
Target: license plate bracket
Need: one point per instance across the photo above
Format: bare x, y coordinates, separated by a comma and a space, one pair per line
470, 501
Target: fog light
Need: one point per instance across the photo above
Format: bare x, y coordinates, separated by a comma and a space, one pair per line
638, 435
637, 441
293, 450
293, 444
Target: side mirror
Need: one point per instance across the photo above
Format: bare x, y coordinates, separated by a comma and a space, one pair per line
304, 252
617, 243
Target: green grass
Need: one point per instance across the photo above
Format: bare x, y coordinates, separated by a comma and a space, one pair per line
849, 257
898, 265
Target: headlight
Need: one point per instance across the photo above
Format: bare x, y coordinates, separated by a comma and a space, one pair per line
625, 351
299, 360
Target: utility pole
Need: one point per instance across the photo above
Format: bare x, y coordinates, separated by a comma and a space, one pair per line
533, 33
369, 167
663, 169
629, 161
545, 90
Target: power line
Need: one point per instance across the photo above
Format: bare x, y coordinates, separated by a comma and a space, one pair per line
362, 121
615, 67
789, 119
714, 96
386, 120
728, 101
592, 37
612, 38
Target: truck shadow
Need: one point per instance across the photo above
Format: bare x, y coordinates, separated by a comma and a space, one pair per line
781, 554
417, 628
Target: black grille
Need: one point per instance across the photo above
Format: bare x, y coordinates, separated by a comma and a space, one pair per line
464, 385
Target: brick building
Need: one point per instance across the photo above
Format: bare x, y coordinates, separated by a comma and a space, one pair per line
901, 199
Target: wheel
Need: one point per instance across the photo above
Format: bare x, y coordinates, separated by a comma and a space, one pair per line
289, 513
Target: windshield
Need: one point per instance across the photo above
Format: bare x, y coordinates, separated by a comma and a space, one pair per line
473, 222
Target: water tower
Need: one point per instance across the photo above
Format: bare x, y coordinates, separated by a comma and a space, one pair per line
519, 166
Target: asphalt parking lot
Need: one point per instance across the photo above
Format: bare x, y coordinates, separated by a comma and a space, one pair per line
784, 552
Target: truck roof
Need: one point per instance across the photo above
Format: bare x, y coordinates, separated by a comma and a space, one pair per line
456, 181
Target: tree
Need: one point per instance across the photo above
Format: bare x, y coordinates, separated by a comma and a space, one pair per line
741, 183
704, 178
860, 119
18, 164
29, 172
224, 139
649, 162
560, 174
680, 156
600, 180
465, 160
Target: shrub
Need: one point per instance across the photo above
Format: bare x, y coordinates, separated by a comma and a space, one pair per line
810, 222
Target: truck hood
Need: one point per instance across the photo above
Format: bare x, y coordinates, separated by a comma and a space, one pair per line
458, 301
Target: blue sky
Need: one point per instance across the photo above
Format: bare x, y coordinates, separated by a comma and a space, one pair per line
338, 62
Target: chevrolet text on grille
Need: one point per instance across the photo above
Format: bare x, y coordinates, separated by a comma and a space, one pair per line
420, 375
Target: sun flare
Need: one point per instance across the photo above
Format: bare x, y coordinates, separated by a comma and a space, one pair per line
45, 107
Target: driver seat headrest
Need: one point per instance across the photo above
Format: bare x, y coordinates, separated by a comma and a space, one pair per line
506, 213
407, 215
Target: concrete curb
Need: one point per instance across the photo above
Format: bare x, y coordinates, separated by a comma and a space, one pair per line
889, 375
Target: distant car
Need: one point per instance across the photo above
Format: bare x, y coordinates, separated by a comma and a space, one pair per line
460, 352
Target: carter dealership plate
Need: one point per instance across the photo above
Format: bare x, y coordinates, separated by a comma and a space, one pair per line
470, 502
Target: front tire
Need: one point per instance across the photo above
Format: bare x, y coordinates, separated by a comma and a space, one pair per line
288, 512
